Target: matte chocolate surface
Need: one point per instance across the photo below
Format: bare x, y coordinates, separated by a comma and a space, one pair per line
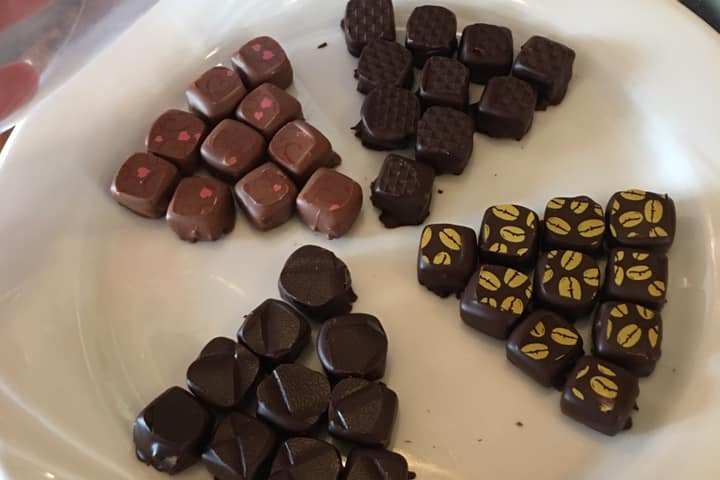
402, 191
637, 276
353, 345
431, 31
170, 433
495, 300
601, 395
640, 219
567, 282
317, 282
176, 136
216, 94
362, 412
574, 223
201, 209
548, 66
144, 184
275, 331
445, 83
263, 60
509, 236
444, 140
506, 108
267, 196
306, 459
375, 464
389, 118
293, 397
300, 149
241, 449
366, 20
384, 63
233, 149
487, 50
545, 346
268, 108
447, 258
330, 202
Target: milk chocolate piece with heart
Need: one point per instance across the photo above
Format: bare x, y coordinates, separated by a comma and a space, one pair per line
366, 20
306, 459
176, 136
267, 109
567, 282
431, 31
402, 191
574, 223
330, 202
444, 140
487, 50
171, 432
267, 196
144, 184
362, 412
637, 276
384, 63
445, 83
300, 149
201, 209
233, 149
509, 236
548, 66
215, 95
506, 108
640, 219
263, 60
376, 464
388, 119
447, 258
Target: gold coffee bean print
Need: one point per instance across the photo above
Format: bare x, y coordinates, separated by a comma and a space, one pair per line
530, 220
512, 304
607, 407
604, 387
442, 258
640, 256
489, 301
569, 287
658, 232
608, 332
450, 238
613, 232
528, 292
639, 273
591, 276
629, 336
656, 288
552, 254
509, 213
578, 393
615, 207
514, 279
536, 351
558, 226
486, 232
653, 211
633, 234
605, 370
570, 260
653, 336
489, 281
564, 336
556, 203
619, 256
538, 331
548, 275
619, 311
582, 372
498, 248
633, 195
426, 237
599, 211
512, 234
619, 275
521, 251
645, 313
630, 219
425, 259
579, 206
591, 228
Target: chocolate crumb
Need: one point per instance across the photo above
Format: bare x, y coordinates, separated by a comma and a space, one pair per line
411, 475
322, 45
440, 192
479, 440
520, 424
408, 441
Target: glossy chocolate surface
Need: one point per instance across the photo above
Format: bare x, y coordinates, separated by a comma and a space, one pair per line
509, 236
202, 209
384, 63
506, 108
574, 223
362, 412
487, 50
233, 149
302, 458
263, 60
567, 282
402, 191
431, 31
640, 219
388, 119
637, 276
176, 136
445, 140
145, 184
366, 20
267, 196
268, 108
300, 149
330, 202
445, 83
215, 95
548, 66
447, 257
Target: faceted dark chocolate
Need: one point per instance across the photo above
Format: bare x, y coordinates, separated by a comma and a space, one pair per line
567, 282
263, 60
145, 184
267, 196
402, 191
176, 136
637, 276
216, 94
445, 83
506, 108
201, 209
574, 223
366, 20
233, 149
384, 63
444, 140
548, 66
509, 236
389, 118
306, 459
300, 149
330, 202
639, 219
375, 464
447, 258
268, 108
487, 50
362, 412
431, 31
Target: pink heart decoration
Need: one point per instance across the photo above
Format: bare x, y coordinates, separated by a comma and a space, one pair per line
229, 73
196, 136
276, 188
258, 115
143, 172
183, 136
257, 47
334, 207
268, 55
231, 161
206, 193
158, 139
266, 103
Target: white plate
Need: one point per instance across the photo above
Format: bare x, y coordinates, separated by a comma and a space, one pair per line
101, 310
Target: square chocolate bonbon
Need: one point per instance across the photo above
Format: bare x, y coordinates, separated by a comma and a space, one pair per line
402, 191
509, 236
431, 31
233, 149
201, 209
176, 136
496, 299
304, 458
628, 335
268, 108
330, 202
487, 50
267, 196
548, 66
545, 346
388, 120
600, 395
362, 412
384, 63
375, 464
637, 276
567, 282
447, 258
574, 223
506, 108
300, 149
444, 140
145, 184
445, 83
640, 219
366, 20
216, 94
263, 60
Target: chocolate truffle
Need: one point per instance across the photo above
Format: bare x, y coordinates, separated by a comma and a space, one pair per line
487, 50
268, 108
267, 196
201, 209
444, 140
445, 83
300, 149
548, 66
389, 118
362, 412
447, 258
366, 20
144, 184
639, 219
375, 464
567, 282
233, 149
574, 223
509, 236
176, 136
384, 63
431, 31
216, 94
506, 108
263, 60
330, 202
402, 191
303, 458
637, 276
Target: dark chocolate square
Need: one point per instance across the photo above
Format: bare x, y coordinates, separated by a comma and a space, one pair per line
375, 464
574, 223
233, 149
431, 31
402, 191
545, 346
509, 236
366, 20
176, 136
263, 60
637, 276
384, 63
496, 299
268, 108
548, 66
144, 184
330, 202
601, 395
201, 209
640, 219
567, 282
300, 149
389, 118
447, 258
216, 94
487, 50
444, 140
267, 196
506, 108
445, 83
628, 335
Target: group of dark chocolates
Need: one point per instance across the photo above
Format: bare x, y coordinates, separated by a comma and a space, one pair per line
252, 413
250, 134
527, 282
439, 117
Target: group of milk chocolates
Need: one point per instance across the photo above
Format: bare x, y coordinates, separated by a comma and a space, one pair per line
527, 281
250, 135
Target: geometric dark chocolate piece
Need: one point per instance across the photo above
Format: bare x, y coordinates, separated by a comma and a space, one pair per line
548, 66
267, 196
506, 108
176, 136
233, 149
637, 276
306, 459
375, 464
445, 83
171, 432
389, 118
487, 50
216, 94
639, 219
330, 202
268, 108
384, 63
447, 258
366, 20
201, 209
574, 223
444, 140
509, 236
431, 31
601, 395
567, 282
300, 149
263, 60
545, 346
145, 184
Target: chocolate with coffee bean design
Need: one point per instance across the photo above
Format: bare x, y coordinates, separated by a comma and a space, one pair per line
567, 282
637, 276
447, 257
640, 219
509, 235
574, 223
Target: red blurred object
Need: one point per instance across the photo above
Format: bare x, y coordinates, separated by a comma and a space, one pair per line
18, 84
12, 11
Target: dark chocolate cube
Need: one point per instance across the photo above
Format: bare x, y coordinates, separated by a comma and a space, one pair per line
389, 118
384, 464
201, 209
509, 236
330, 202
431, 31
506, 108
545, 346
176, 136
402, 191
496, 299
447, 258
637, 276
628, 335
268, 108
639, 219
216, 94
600, 395
444, 140
487, 50
445, 83
574, 223
548, 66
303, 458
233, 149
366, 20
267, 196
263, 60
144, 184
384, 63
567, 282
300, 149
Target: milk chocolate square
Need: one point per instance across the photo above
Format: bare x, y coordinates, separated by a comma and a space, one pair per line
267, 109
300, 149
144, 184
176, 136
267, 196
233, 149
216, 94
487, 50
263, 60
201, 209
330, 202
